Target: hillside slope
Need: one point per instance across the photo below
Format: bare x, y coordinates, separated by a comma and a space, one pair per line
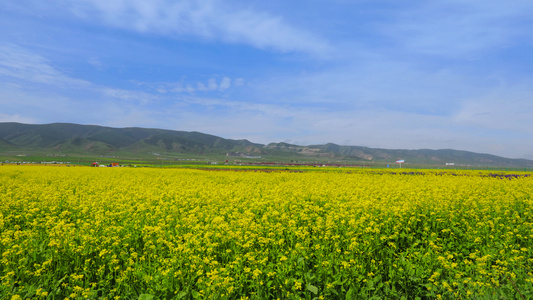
100, 140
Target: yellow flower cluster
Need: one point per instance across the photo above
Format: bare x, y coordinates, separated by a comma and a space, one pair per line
336, 233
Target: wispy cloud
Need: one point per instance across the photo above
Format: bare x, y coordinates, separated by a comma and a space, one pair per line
239, 82
94, 61
17, 62
208, 19
212, 84
141, 97
225, 83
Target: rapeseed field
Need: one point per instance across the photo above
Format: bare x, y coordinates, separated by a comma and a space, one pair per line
132, 233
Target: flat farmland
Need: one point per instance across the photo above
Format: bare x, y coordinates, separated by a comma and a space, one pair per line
149, 233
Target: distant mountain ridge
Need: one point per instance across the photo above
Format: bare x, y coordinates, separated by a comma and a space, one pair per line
76, 138
422, 156
93, 138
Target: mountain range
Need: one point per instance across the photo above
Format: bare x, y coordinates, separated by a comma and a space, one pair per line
92, 139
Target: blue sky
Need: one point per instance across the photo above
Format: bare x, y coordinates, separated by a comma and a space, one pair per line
388, 74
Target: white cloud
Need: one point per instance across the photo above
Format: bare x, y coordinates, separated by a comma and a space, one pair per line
173, 87
191, 88
238, 82
225, 83
208, 19
212, 84
129, 95
202, 87
95, 62
16, 62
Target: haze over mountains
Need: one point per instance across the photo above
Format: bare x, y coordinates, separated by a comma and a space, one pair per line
75, 138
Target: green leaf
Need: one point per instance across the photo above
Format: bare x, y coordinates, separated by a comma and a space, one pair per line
181, 295
309, 275
350, 295
313, 289
145, 297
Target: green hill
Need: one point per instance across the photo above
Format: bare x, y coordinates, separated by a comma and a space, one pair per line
75, 138
92, 140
